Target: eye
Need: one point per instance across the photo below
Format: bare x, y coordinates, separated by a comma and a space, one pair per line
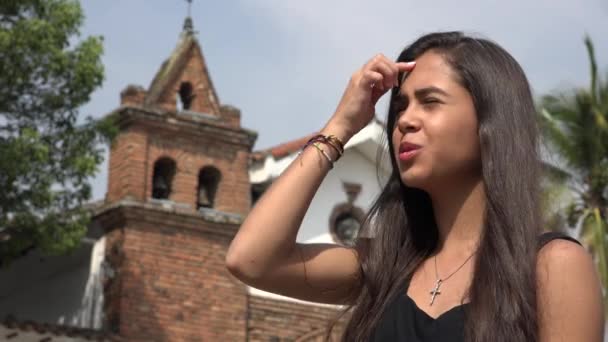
430, 102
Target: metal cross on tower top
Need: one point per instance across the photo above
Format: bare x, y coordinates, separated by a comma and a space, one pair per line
188, 26
189, 7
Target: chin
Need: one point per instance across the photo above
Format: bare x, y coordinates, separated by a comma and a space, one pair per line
414, 179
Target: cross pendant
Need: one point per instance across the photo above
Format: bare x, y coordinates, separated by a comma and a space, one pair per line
434, 292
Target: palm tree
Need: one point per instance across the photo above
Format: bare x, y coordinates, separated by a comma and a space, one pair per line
575, 128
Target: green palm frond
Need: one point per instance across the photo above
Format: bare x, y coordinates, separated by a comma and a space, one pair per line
575, 125
600, 119
588, 230
557, 137
593, 66
603, 94
562, 108
600, 232
556, 175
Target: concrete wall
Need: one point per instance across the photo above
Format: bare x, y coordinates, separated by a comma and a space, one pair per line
56, 290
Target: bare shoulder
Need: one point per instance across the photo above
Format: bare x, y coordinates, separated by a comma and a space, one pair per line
569, 293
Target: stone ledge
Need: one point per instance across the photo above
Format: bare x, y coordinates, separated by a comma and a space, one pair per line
177, 215
204, 124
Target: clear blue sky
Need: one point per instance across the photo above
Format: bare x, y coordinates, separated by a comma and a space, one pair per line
285, 63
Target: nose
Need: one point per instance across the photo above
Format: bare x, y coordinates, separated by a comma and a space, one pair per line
408, 122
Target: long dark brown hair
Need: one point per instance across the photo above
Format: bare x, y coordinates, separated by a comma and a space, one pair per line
503, 291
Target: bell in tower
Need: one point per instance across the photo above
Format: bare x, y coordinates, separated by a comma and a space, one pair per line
179, 141
208, 180
164, 170
178, 190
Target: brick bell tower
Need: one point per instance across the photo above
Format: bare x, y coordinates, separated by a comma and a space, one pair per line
178, 191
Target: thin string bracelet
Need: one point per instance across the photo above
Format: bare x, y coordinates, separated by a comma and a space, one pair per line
310, 141
315, 144
336, 148
336, 140
317, 138
331, 162
331, 140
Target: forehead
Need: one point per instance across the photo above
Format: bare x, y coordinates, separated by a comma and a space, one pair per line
431, 70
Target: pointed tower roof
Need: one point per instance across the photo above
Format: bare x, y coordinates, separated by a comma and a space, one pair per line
186, 64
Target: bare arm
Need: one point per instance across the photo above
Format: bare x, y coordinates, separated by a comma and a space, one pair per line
264, 253
569, 294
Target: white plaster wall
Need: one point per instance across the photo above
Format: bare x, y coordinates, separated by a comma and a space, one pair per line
352, 167
57, 290
357, 165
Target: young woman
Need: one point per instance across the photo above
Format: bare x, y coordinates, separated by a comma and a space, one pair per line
455, 249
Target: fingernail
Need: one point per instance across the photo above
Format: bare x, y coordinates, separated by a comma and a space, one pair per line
410, 63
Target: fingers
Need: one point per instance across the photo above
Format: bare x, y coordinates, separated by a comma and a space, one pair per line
406, 66
404, 69
371, 78
388, 69
389, 72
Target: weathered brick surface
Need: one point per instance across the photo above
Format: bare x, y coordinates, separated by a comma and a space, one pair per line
288, 321
194, 71
132, 95
165, 261
169, 279
141, 144
127, 165
170, 283
179, 281
231, 114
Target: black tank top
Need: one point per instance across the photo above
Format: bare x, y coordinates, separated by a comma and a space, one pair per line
403, 320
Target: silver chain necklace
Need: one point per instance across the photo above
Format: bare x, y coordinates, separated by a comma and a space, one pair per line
435, 291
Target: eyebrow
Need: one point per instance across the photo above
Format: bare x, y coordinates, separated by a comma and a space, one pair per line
422, 92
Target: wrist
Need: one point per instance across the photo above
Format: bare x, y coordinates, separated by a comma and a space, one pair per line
338, 131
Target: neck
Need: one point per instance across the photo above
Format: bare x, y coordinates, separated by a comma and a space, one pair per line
459, 214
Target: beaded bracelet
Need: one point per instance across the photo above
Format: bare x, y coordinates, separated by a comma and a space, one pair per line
331, 140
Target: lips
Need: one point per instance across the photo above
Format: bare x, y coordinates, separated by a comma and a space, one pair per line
408, 147
408, 151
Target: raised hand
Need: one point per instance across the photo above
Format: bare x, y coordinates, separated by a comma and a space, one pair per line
366, 86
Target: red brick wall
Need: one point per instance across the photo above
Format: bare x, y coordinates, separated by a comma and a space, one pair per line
231, 115
180, 136
127, 165
170, 282
112, 285
195, 72
136, 149
132, 95
233, 193
290, 321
